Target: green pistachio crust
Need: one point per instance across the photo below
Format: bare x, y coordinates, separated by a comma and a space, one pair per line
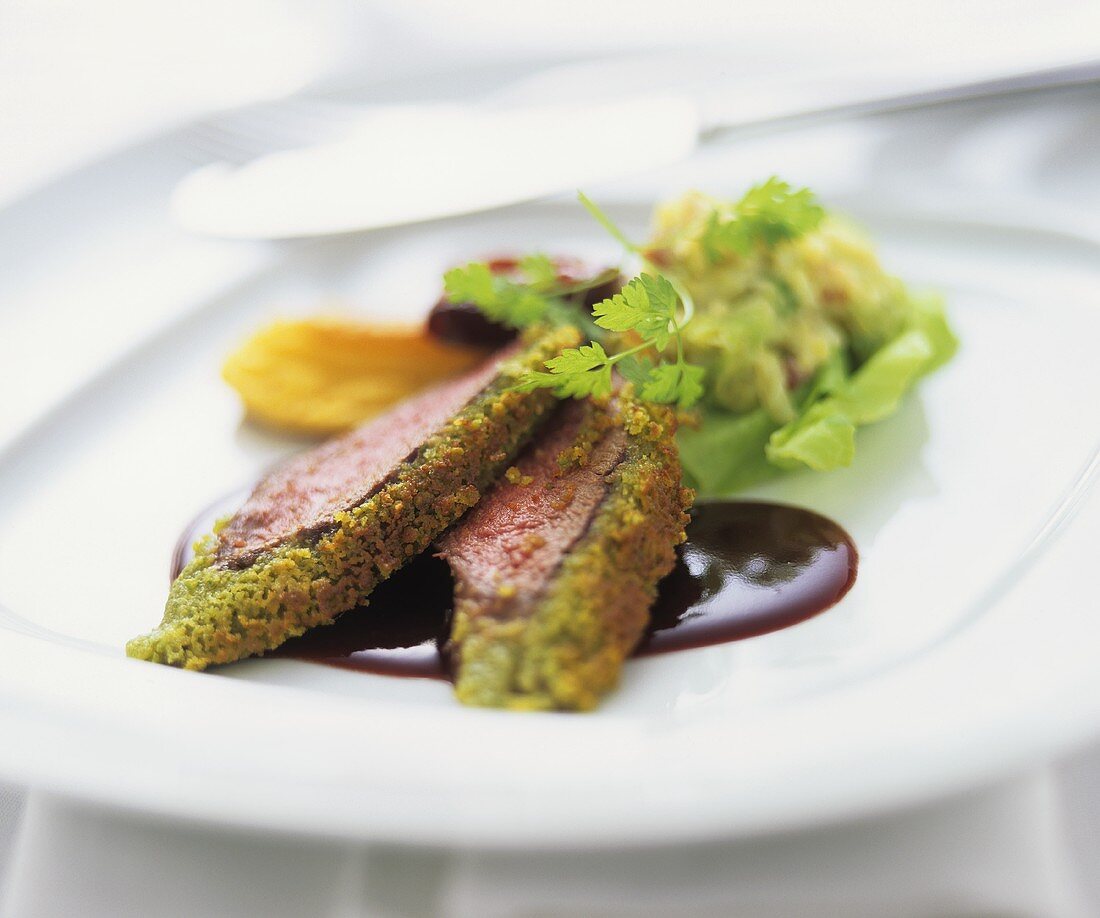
569, 650
215, 614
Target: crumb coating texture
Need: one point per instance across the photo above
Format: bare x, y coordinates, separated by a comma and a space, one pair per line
568, 651
215, 614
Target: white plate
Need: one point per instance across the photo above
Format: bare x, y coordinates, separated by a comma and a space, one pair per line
965, 650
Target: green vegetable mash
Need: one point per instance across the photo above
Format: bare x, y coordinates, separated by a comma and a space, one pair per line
802, 334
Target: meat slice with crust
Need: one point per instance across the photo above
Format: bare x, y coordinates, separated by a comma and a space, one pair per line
557, 567
322, 530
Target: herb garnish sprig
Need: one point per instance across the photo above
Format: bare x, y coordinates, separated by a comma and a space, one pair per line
509, 301
648, 307
648, 314
767, 213
653, 308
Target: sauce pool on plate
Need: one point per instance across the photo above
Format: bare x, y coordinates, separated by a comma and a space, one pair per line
747, 568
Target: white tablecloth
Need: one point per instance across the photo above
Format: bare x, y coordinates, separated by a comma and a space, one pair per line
1028, 847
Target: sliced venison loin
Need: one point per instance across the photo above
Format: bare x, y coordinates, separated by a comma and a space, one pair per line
322, 530
556, 568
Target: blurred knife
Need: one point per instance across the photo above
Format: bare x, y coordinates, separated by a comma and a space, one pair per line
280, 177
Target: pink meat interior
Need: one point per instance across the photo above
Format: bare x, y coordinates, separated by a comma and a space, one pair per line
302, 494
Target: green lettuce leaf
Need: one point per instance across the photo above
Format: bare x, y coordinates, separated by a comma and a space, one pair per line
725, 452
728, 452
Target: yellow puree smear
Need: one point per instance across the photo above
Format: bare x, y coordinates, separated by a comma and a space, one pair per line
326, 374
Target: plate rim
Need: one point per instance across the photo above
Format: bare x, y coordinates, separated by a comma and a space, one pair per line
1073, 526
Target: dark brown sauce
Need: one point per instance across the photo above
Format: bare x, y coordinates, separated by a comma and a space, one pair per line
747, 569
399, 634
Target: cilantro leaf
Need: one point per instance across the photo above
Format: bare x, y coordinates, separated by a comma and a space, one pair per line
767, 213
691, 384
635, 369
674, 383
578, 359
473, 284
646, 305
577, 372
540, 271
501, 299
